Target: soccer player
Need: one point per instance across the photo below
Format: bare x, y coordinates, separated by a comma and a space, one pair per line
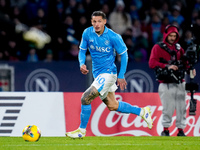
102, 43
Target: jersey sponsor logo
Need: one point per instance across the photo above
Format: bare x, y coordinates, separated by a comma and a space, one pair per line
103, 49
42, 80
138, 81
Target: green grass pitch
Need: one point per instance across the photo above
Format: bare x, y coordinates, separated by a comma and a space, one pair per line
102, 143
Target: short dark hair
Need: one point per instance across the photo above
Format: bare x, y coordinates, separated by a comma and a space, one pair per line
99, 13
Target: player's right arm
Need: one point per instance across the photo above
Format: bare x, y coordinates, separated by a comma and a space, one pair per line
81, 58
82, 54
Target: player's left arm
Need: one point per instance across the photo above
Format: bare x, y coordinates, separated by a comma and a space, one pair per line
121, 82
121, 49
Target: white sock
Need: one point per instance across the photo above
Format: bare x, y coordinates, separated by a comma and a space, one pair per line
142, 112
82, 130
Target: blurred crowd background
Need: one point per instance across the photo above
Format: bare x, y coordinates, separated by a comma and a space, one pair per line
141, 24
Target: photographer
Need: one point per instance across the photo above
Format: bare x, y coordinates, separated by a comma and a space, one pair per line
166, 59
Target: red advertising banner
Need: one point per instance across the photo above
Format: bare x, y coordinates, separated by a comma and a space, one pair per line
111, 123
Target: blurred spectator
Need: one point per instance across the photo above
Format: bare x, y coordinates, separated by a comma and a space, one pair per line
40, 21
186, 40
197, 5
4, 6
71, 8
176, 16
18, 3
66, 21
80, 9
60, 9
49, 56
128, 40
136, 46
32, 7
66, 36
106, 9
135, 6
16, 15
165, 21
90, 6
119, 20
73, 52
32, 55
155, 29
196, 30
68, 30
12, 49
182, 4
164, 10
150, 13
2, 56
195, 14
80, 26
137, 29
60, 46
140, 54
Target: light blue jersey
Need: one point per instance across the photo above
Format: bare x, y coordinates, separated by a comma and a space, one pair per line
102, 49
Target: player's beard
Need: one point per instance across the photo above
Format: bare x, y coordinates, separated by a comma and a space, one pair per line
98, 32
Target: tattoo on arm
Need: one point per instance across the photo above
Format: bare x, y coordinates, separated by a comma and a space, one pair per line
89, 95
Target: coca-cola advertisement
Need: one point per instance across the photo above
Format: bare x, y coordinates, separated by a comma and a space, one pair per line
111, 123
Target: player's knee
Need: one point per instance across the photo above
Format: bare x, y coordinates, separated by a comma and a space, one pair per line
85, 99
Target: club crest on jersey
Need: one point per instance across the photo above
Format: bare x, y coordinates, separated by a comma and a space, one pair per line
92, 47
91, 40
106, 42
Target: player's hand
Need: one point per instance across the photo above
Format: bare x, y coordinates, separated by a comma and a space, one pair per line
121, 83
84, 70
174, 67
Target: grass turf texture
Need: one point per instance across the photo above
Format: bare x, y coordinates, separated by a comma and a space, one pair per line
104, 143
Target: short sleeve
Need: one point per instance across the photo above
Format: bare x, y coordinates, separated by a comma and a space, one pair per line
119, 44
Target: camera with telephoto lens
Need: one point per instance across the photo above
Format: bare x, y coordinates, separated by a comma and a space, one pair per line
170, 75
191, 56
